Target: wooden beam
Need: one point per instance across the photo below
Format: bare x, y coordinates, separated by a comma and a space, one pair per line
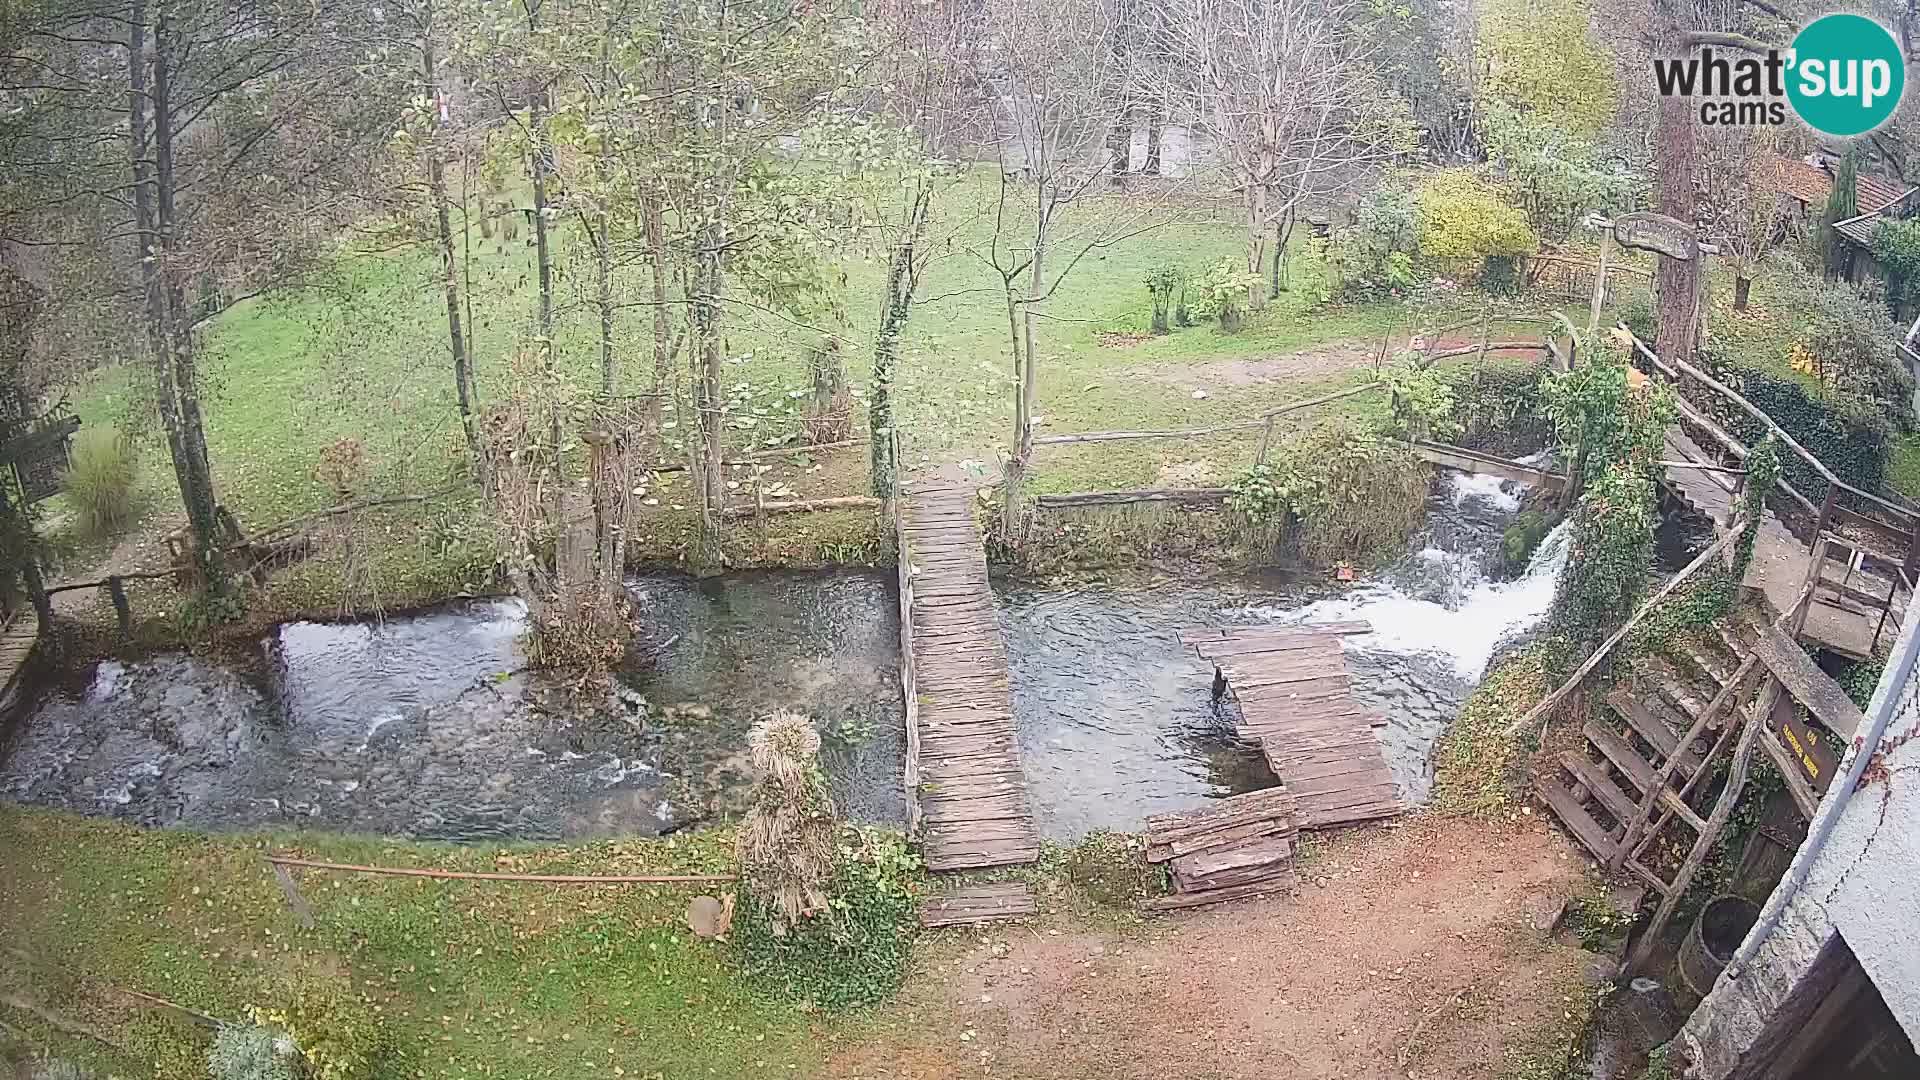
1807, 684
1553, 699
1191, 496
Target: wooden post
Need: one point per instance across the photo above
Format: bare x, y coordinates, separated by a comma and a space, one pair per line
1600, 283
1826, 511
1266, 439
1814, 573
122, 611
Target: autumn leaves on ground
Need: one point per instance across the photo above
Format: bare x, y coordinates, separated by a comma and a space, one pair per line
1412, 950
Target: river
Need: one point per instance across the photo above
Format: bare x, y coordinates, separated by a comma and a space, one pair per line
428, 726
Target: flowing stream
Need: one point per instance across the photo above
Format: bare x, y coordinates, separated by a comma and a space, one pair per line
428, 725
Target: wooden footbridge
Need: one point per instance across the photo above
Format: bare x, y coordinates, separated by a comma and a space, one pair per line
1293, 689
963, 765
18, 637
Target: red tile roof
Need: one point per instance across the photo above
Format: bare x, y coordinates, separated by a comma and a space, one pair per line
1809, 184
1873, 192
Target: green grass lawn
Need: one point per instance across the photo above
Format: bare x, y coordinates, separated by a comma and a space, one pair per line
363, 356
474, 978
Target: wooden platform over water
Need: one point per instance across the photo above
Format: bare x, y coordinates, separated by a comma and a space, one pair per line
1293, 689
17, 639
964, 765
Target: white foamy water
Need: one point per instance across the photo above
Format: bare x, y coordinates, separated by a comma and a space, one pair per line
1489, 489
1487, 614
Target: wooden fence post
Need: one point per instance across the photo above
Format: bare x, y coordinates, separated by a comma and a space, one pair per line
1266, 438
122, 610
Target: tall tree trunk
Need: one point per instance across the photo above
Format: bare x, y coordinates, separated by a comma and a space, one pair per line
1257, 229
169, 337
654, 224
895, 308
543, 262
603, 299
449, 276
1020, 321
1675, 283
1151, 166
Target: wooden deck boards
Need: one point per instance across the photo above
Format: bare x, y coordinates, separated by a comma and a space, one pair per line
971, 793
1293, 688
17, 640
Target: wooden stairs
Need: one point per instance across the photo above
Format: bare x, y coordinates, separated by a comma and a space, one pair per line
1644, 759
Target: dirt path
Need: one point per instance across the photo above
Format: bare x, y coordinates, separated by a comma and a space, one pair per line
1412, 953
1304, 365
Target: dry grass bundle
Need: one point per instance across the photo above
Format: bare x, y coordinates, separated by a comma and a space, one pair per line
786, 844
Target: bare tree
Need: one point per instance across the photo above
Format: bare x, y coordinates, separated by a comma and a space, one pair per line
1743, 211
1060, 79
926, 90
1293, 106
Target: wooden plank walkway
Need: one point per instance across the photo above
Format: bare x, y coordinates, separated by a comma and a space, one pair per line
1780, 560
17, 640
1292, 686
970, 790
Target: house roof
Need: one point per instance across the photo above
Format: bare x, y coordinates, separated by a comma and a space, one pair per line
1801, 180
1810, 184
1858, 230
1873, 193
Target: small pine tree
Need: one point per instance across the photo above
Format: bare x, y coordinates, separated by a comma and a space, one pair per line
1842, 203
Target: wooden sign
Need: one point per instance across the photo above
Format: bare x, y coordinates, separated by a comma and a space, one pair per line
1649, 231
1817, 761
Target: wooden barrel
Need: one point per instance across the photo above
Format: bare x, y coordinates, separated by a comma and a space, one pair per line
1713, 938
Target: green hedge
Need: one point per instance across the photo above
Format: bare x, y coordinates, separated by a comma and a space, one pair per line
1850, 438
1498, 406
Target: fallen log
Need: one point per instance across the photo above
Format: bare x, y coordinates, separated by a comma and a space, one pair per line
844, 502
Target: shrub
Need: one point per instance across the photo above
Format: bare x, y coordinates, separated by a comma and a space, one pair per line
1847, 334
251, 1052
1849, 437
337, 1033
1375, 254
1221, 292
100, 480
1347, 494
1637, 313
855, 952
1422, 400
1463, 221
1896, 246
1161, 282
1498, 406
1612, 550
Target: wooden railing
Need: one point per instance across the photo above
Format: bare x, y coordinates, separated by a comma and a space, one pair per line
1901, 533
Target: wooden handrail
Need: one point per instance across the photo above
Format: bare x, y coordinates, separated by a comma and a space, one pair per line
465, 875
1676, 364
1553, 699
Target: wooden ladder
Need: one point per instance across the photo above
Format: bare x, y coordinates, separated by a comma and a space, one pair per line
1670, 742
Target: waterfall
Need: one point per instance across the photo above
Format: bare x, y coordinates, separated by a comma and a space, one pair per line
1469, 630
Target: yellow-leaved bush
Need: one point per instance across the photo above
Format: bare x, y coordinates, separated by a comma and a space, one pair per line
1464, 220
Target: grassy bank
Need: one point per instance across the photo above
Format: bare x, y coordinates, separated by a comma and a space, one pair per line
468, 978
361, 358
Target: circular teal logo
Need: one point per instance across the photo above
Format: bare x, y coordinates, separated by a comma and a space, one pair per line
1845, 74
